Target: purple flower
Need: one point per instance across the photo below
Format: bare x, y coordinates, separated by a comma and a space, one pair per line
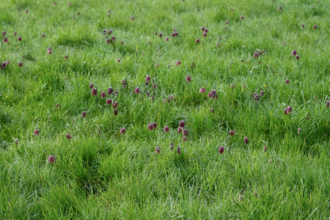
150, 126
68, 136
148, 78
122, 131
110, 90
246, 140
213, 94
256, 97
221, 149
166, 129
36, 132
51, 159
123, 82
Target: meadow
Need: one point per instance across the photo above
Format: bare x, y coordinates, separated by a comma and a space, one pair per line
239, 92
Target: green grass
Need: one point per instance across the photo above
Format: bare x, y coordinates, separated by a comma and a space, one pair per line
100, 174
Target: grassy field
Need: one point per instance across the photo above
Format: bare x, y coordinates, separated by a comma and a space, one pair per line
101, 173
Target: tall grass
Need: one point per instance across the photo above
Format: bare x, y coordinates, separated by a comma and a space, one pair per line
100, 174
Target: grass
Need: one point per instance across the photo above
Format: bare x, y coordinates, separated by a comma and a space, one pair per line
100, 174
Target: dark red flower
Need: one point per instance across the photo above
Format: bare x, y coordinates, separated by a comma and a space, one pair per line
166, 129
150, 126
51, 159
68, 136
36, 132
246, 140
